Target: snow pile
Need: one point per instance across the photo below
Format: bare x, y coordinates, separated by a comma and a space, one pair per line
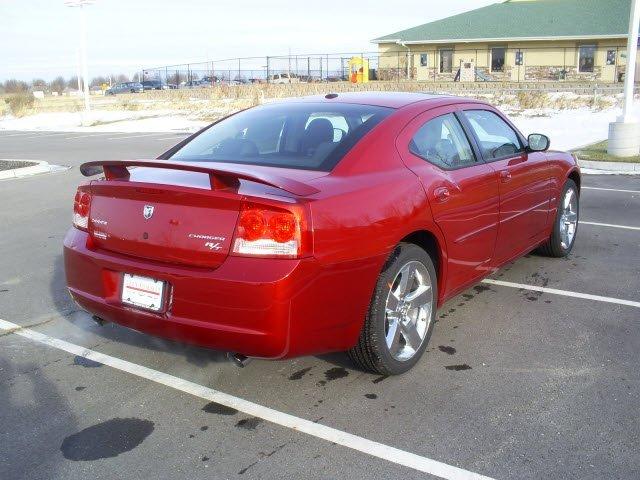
106, 121
567, 129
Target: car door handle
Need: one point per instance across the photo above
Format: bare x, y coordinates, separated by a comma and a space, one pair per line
442, 194
505, 176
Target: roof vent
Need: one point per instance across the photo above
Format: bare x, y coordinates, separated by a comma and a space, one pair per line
330, 96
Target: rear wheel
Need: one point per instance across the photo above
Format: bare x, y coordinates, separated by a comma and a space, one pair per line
401, 315
565, 226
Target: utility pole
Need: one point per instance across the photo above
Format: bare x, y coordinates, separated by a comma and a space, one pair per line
624, 134
83, 52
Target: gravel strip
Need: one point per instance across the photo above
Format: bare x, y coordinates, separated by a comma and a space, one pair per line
11, 164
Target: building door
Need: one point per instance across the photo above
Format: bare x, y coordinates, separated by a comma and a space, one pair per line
519, 69
421, 61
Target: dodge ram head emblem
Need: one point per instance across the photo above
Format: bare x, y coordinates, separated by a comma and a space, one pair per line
147, 211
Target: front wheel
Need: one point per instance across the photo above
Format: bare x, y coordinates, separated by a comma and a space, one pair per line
401, 315
565, 226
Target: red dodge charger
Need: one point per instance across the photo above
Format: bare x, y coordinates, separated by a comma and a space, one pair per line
318, 224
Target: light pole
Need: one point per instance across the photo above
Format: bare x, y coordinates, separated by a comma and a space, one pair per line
624, 134
83, 51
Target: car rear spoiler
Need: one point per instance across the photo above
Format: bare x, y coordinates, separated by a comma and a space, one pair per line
220, 175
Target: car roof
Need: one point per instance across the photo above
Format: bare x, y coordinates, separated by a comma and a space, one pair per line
380, 99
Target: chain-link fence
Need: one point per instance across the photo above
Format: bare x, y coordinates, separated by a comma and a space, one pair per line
271, 69
580, 63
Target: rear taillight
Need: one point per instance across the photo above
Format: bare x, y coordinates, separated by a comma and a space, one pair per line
267, 231
81, 208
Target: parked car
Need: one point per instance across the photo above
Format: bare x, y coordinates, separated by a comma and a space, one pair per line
284, 78
154, 85
318, 224
196, 84
128, 87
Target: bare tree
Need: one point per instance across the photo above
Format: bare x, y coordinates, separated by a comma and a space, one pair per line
38, 84
15, 86
98, 81
58, 85
174, 78
73, 83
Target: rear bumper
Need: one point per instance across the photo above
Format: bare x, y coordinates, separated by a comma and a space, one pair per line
270, 308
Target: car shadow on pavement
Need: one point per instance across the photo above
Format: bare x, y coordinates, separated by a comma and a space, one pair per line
340, 359
67, 308
34, 419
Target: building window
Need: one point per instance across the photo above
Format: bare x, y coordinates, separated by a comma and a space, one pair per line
586, 59
497, 59
519, 58
424, 60
446, 61
611, 57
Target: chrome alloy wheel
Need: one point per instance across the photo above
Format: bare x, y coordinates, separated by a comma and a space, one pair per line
408, 310
568, 218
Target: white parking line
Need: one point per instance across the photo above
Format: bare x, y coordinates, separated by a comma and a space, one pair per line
139, 135
565, 293
17, 134
611, 189
375, 449
80, 135
172, 138
35, 134
626, 227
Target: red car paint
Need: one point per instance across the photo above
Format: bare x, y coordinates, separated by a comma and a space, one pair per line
472, 220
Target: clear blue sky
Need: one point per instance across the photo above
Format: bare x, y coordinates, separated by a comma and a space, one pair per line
39, 37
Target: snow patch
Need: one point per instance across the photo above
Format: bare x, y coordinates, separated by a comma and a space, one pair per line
568, 129
106, 121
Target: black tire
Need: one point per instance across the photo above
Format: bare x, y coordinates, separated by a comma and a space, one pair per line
553, 246
371, 352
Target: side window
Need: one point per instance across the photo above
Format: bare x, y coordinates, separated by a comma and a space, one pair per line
497, 139
442, 141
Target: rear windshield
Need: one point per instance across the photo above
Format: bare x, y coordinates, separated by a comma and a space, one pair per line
313, 136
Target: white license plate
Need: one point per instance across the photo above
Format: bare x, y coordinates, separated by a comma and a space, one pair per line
143, 292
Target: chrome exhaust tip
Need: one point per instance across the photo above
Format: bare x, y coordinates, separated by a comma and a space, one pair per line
238, 359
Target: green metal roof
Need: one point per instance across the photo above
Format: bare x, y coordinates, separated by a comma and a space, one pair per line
525, 19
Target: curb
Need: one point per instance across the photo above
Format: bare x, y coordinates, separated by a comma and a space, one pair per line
611, 167
41, 167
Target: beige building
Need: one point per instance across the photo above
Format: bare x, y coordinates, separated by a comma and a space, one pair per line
514, 40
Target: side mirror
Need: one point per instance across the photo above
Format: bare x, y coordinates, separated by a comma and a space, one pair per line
538, 142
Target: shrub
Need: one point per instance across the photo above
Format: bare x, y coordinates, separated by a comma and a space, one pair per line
532, 99
128, 104
20, 104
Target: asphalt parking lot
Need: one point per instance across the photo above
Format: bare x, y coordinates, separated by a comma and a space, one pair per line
518, 383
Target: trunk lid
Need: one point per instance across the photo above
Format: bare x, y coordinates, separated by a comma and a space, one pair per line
172, 216
164, 224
